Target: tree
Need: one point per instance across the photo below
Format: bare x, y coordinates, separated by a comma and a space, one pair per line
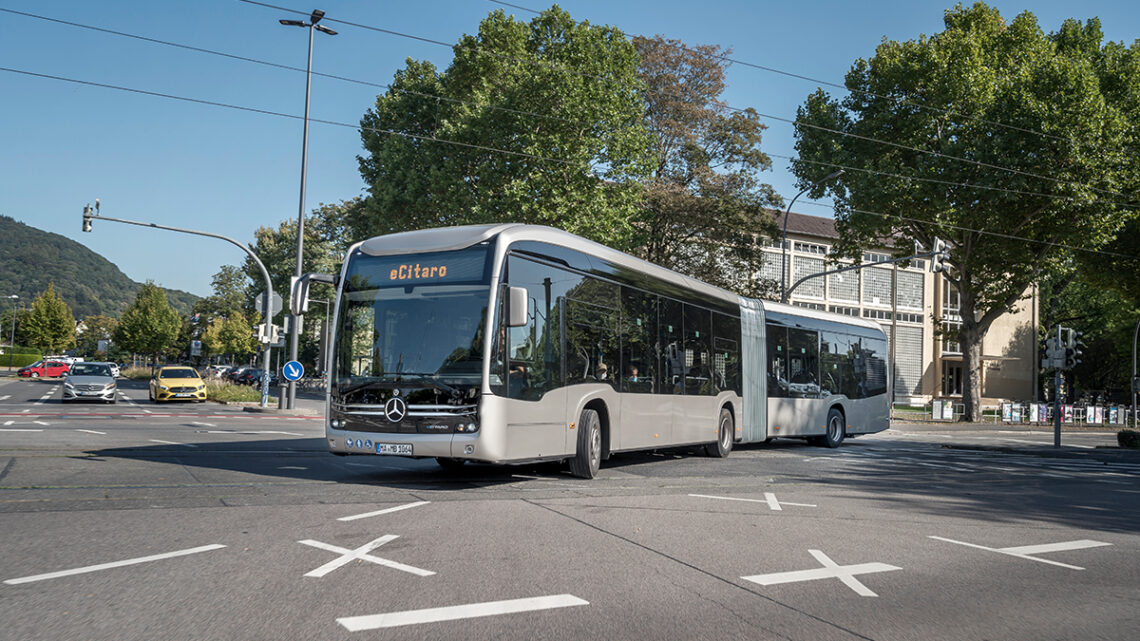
149, 325
96, 327
1064, 102
704, 208
50, 325
546, 121
229, 335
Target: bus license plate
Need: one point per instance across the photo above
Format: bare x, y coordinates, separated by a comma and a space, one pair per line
399, 449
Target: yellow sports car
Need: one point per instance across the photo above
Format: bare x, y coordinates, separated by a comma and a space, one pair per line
177, 383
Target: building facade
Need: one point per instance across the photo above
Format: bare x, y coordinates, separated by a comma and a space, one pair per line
917, 309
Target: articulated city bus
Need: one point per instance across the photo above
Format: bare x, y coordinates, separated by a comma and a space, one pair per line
519, 343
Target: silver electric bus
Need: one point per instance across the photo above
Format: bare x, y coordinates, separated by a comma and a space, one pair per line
518, 343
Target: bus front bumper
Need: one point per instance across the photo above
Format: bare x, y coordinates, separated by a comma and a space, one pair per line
459, 446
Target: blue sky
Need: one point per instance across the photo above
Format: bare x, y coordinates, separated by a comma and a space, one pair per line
229, 172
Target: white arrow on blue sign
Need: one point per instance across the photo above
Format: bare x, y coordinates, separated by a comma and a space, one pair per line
293, 371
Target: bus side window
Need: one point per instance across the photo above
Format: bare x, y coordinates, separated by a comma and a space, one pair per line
639, 331
777, 360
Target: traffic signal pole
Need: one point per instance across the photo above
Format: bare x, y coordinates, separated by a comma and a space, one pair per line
89, 217
1057, 397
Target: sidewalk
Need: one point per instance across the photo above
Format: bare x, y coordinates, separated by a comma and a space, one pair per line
963, 436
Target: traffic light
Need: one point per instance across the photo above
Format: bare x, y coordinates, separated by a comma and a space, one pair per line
937, 256
1046, 353
87, 218
1073, 349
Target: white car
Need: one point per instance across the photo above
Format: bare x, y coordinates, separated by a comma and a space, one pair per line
90, 382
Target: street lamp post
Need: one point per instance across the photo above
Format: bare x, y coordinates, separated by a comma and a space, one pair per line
12, 343
294, 326
784, 235
1135, 391
325, 332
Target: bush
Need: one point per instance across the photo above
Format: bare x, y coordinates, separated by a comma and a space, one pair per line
218, 390
1128, 438
18, 360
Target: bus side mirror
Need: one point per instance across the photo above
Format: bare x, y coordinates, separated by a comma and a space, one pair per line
299, 290
517, 307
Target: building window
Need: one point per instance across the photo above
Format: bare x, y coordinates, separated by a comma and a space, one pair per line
871, 257
950, 328
878, 314
811, 248
877, 287
951, 298
844, 287
911, 290
770, 268
818, 306
846, 311
804, 266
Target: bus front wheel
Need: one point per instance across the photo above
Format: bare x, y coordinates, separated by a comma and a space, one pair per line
724, 434
836, 429
588, 456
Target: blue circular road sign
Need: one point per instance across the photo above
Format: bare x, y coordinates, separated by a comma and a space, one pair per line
293, 371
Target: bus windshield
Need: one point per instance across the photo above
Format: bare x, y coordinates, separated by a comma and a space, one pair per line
415, 320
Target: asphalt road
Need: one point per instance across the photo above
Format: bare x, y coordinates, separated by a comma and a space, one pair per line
140, 521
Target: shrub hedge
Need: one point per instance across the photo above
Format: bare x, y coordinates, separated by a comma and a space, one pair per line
1128, 438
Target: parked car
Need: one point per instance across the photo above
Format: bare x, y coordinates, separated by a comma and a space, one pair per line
250, 376
44, 368
235, 373
90, 382
177, 382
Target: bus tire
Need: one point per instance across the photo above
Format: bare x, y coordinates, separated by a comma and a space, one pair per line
836, 429
726, 430
588, 456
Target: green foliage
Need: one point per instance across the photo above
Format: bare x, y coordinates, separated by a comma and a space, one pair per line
1070, 102
229, 335
18, 359
583, 77
30, 259
1128, 438
96, 327
703, 208
150, 325
217, 390
50, 325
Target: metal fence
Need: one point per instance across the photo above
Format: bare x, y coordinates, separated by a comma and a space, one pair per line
1025, 413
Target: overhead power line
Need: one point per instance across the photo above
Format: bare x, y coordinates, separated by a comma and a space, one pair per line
279, 114
835, 85
976, 231
479, 147
737, 109
531, 113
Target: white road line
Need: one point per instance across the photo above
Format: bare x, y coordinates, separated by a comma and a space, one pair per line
91, 432
148, 412
154, 440
18, 430
831, 570
5, 397
9, 422
361, 553
201, 423
292, 467
116, 564
384, 511
1024, 552
41, 423
769, 499
455, 612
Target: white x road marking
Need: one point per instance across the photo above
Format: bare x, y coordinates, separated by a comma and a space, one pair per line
769, 498
360, 554
1025, 551
830, 570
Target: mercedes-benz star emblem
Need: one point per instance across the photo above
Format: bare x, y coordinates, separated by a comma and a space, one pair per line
395, 409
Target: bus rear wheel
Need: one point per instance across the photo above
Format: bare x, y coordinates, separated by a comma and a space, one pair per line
725, 432
836, 429
588, 456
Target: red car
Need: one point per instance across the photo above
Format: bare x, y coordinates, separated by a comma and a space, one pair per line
48, 369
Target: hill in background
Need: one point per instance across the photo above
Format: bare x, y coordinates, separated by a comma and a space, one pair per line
31, 258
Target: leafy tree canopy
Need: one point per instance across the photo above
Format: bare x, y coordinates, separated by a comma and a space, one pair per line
50, 325
560, 98
149, 325
999, 133
704, 207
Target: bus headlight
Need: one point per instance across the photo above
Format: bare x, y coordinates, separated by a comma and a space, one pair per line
468, 427
336, 423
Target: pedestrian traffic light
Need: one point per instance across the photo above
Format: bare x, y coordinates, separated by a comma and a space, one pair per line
87, 218
938, 256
